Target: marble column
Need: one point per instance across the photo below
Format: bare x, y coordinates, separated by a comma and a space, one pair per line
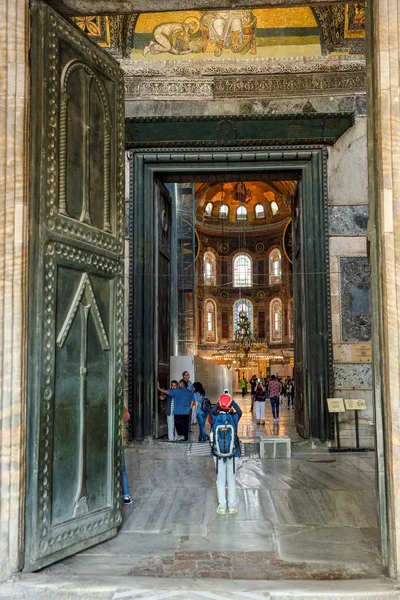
14, 91
384, 234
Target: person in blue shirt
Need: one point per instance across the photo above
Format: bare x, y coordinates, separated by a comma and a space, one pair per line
203, 407
183, 402
226, 468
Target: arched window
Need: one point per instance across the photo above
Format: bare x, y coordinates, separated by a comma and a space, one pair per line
208, 210
290, 320
274, 208
223, 211
241, 213
209, 268
242, 271
275, 267
276, 320
259, 211
242, 305
210, 320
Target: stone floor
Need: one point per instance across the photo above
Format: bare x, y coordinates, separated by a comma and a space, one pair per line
311, 517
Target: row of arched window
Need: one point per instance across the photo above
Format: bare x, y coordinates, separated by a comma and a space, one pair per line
242, 214
246, 306
243, 269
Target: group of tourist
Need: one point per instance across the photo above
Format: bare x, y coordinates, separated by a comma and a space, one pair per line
185, 403
276, 390
184, 399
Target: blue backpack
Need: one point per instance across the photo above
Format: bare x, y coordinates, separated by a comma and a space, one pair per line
205, 405
224, 440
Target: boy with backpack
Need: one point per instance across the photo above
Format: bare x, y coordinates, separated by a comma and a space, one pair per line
225, 448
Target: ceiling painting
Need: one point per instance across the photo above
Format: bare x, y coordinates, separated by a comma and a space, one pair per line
266, 202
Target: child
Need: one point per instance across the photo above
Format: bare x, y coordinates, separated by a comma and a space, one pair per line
225, 448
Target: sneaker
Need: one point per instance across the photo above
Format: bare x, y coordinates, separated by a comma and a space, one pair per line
128, 500
221, 510
233, 511
277, 420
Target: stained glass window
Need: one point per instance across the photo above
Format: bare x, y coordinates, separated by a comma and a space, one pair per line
209, 269
260, 211
223, 211
275, 267
241, 213
242, 305
242, 271
208, 210
276, 320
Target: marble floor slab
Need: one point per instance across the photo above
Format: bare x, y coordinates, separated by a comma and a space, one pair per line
311, 516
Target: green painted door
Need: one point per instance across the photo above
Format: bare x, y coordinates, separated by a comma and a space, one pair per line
75, 386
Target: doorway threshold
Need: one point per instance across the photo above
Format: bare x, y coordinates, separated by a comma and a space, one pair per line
51, 586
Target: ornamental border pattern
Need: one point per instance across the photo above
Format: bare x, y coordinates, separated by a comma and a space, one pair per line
254, 66
57, 538
245, 86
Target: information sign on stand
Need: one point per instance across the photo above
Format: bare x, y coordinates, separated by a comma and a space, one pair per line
356, 404
336, 405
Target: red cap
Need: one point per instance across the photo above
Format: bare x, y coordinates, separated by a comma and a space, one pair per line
225, 402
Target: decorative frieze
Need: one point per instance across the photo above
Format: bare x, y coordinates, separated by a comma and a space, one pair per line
168, 89
242, 66
348, 220
352, 376
244, 86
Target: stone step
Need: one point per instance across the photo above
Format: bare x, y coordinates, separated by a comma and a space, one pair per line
66, 587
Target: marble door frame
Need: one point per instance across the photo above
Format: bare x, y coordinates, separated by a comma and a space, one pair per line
146, 165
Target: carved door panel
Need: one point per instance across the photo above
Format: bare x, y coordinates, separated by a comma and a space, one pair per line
163, 342
299, 321
75, 369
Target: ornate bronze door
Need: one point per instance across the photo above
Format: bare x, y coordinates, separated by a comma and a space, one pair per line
76, 293
299, 321
163, 268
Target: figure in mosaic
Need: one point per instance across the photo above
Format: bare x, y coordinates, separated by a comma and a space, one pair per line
226, 28
173, 37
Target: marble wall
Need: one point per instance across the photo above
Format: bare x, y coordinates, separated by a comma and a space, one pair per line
14, 90
349, 270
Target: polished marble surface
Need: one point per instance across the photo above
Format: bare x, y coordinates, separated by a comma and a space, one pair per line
314, 509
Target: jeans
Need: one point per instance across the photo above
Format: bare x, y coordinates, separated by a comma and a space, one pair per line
275, 406
172, 433
125, 483
260, 410
289, 399
201, 419
226, 474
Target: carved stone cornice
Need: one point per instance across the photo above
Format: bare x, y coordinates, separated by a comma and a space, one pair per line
264, 78
267, 86
244, 66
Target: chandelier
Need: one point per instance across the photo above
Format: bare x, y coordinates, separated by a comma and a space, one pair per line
244, 347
